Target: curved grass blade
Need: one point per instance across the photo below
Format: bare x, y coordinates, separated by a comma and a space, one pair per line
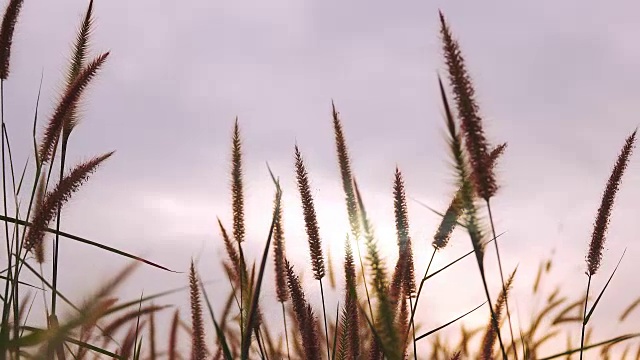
76, 342
92, 348
89, 242
145, 299
449, 323
458, 223
220, 334
24, 171
593, 307
602, 343
21, 283
458, 259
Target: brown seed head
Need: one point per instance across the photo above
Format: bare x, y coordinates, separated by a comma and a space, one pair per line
448, 223
405, 260
350, 313
6, 35
491, 332
237, 191
198, 347
468, 112
598, 236
38, 248
78, 59
58, 197
304, 317
232, 252
173, 336
310, 220
67, 103
279, 257
345, 173
496, 153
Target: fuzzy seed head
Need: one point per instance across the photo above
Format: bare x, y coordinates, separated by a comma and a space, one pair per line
68, 102
7, 29
304, 317
598, 237
56, 198
282, 293
310, 219
468, 111
237, 189
345, 173
198, 347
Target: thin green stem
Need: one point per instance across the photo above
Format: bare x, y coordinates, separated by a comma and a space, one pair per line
324, 312
415, 307
584, 316
504, 291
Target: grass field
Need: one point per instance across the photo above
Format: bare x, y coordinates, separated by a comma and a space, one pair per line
359, 304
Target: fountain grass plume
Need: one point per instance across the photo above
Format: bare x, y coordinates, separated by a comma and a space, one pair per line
598, 237
489, 338
7, 29
58, 196
198, 347
350, 339
475, 140
68, 101
310, 219
313, 232
304, 316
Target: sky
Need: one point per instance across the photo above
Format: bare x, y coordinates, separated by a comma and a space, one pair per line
556, 81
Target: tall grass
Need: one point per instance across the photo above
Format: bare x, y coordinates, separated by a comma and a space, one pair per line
376, 314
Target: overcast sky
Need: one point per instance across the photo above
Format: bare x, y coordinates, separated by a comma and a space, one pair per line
557, 81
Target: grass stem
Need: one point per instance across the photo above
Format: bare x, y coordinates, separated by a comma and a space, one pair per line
584, 316
286, 333
324, 313
415, 306
506, 302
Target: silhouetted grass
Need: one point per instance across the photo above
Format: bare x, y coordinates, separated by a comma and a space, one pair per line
376, 315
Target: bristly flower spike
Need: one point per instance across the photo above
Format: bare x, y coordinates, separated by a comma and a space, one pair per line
598, 236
